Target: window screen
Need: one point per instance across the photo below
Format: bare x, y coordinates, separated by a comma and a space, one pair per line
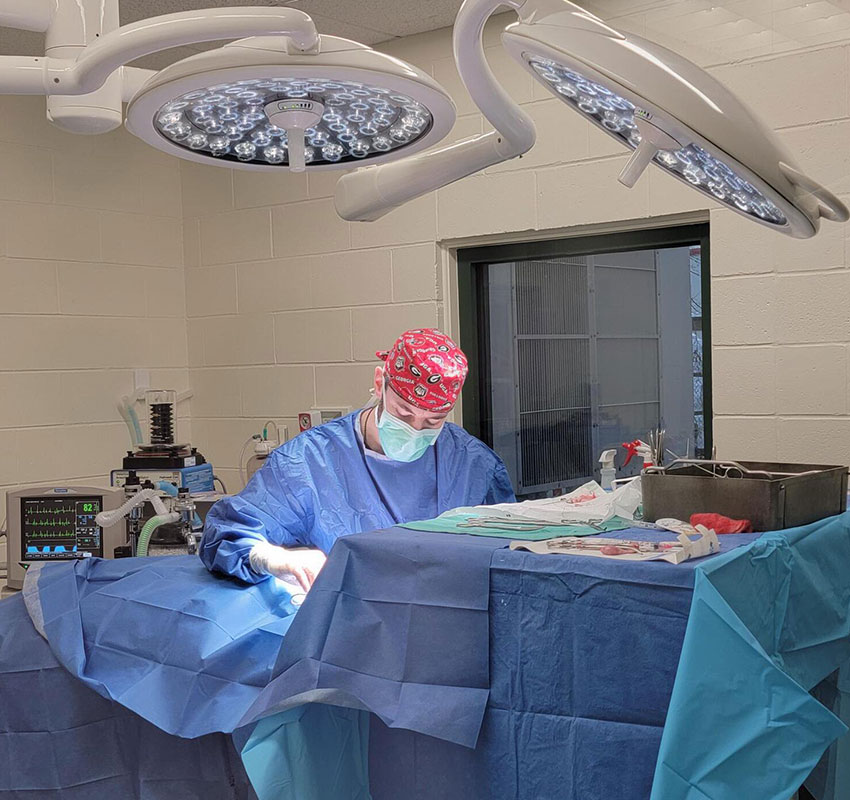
577, 352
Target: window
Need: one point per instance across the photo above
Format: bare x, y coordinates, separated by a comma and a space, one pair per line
581, 344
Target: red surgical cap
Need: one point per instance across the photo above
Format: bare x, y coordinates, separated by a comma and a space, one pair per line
425, 368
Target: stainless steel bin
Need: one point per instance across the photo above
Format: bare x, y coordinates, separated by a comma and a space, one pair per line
771, 495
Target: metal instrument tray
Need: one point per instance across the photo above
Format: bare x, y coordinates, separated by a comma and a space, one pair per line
772, 496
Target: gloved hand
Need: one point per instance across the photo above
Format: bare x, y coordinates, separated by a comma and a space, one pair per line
297, 565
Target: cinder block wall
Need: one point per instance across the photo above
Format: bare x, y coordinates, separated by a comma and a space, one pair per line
91, 286
287, 302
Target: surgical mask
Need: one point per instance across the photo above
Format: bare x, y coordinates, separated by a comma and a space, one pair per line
400, 441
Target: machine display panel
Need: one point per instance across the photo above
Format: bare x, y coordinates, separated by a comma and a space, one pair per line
56, 528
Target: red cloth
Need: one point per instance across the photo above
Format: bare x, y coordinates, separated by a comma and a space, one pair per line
720, 524
426, 368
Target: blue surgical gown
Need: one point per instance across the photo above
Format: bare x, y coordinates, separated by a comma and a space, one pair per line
324, 484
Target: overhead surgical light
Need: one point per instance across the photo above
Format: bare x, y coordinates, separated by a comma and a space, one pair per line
285, 98
664, 108
262, 104
671, 113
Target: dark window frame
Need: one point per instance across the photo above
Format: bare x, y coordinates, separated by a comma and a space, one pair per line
473, 310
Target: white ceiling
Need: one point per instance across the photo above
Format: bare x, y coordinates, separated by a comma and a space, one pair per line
707, 31
367, 21
720, 31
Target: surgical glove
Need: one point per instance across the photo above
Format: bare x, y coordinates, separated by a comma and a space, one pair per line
297, 565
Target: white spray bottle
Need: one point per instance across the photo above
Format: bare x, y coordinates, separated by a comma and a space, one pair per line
608, 472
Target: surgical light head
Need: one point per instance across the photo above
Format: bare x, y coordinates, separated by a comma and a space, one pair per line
260, 104
622, 119
284, 97
670, 113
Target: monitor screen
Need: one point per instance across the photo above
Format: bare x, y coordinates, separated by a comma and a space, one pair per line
60, 527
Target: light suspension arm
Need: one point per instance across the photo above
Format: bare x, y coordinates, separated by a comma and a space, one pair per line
22, 74
27, 15
91, 69
495, 103
367, 194
98, 61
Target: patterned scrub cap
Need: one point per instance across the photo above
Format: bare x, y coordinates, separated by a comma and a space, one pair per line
425, 368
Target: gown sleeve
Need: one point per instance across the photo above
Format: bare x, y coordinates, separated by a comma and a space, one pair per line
274, 507
500, 489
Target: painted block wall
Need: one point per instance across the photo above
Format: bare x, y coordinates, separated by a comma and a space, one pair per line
253, 292
287, 303
91, 287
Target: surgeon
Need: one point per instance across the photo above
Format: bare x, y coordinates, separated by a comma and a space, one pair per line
396, 461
